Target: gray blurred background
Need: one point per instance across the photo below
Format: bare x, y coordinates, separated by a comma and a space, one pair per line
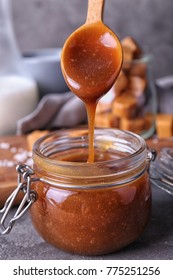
47, 23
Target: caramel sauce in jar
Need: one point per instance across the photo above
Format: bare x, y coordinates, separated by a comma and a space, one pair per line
91, 209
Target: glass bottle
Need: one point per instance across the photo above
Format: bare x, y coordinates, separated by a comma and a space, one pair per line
18, 93
132, 102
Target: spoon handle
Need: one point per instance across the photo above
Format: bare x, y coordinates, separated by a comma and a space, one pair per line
95, 11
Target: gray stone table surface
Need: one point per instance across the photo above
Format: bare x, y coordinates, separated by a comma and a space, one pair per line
23, 243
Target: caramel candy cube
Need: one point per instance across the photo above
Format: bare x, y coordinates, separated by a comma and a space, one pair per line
136, 125
131, 49
164, 125
114, 121
103, 107
106, 119
103, 119
125, 106
138, 69
121, 83
137, 87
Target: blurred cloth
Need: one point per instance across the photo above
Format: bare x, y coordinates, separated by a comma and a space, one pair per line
54, 111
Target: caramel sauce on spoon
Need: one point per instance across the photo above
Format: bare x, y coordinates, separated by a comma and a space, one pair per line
91, 61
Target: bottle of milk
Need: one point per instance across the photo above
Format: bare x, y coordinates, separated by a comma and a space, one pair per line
18, 93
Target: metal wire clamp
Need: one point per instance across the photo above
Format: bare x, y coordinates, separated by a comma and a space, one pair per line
25, 174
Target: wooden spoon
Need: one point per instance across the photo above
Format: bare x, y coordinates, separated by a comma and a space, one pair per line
91, 61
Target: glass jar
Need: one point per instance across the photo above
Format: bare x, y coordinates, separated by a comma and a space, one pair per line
161, 174
131, 104
91, 209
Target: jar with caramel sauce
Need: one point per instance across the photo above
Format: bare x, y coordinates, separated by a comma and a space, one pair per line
91, 209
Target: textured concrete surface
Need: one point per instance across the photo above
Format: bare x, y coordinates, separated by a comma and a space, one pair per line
44, 24
155, 243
